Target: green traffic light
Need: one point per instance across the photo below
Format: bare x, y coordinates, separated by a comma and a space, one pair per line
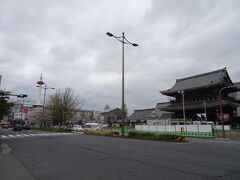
22, 95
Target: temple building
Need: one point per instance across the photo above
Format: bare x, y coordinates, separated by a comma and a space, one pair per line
197, 98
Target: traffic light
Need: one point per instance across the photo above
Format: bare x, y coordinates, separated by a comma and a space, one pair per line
22, 95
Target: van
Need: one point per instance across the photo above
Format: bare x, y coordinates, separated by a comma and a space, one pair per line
93, 126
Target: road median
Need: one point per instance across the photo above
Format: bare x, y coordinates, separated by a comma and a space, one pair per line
139, 135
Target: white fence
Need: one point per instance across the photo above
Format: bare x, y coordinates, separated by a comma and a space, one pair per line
175, 128
219, 127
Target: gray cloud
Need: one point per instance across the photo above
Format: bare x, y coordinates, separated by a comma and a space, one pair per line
66, 42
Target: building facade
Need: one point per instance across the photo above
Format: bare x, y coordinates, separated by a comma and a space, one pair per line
197, 98
112, 117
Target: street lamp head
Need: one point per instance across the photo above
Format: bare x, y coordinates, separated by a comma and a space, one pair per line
109, 34
181, 91
134, 44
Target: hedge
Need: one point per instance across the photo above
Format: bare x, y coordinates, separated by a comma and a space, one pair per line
151, 136
101, 133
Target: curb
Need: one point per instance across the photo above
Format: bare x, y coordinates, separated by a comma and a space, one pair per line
5, 149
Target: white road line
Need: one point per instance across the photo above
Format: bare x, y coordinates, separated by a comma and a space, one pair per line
45, 133
39, 134
32, 134
55, 133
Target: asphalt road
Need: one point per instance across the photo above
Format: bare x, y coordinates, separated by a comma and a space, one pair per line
94, 157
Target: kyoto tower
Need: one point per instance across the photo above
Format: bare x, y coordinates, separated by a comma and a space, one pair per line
40, 83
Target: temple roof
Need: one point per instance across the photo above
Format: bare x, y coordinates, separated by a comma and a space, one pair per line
141, 114
162, 104
205, 80
198, 105
110, 110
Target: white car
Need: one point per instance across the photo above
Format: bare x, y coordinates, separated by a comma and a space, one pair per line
77, 128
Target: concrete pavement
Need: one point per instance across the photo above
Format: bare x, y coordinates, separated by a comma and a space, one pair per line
11, 168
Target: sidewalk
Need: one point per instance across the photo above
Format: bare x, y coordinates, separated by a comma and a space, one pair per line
10, 167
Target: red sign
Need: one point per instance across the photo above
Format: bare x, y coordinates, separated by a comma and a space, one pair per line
25, 110
225, 117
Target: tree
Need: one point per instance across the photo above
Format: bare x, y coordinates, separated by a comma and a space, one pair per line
5, 106
63, 106
107, 107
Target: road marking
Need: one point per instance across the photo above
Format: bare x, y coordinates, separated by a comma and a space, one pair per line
39, 134
56, 133
45, 133
32, 135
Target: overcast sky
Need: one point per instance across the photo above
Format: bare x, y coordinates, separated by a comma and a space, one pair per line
66, 41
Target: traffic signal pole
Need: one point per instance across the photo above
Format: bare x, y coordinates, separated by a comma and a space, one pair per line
22, 108
21, 96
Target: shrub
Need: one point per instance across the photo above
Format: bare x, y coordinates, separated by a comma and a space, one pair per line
100, 133
151, 136
52, 129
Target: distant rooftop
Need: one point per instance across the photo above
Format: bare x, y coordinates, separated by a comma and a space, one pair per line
140, 114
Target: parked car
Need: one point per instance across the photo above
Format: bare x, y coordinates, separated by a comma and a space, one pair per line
26, 126
63, 127
5, 126
17, 127
77, 128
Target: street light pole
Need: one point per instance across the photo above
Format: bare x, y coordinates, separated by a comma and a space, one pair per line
123, 107
221, 107
44, 98
205, 109
124, 41
183, 107
22, 106
184, 116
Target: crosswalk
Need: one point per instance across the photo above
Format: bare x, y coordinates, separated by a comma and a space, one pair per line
21, 135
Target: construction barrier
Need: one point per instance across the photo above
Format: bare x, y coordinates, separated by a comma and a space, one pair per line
205, 131
181, 139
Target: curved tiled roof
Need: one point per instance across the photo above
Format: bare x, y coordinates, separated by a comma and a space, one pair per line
199, 81
140, 114
198, 105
